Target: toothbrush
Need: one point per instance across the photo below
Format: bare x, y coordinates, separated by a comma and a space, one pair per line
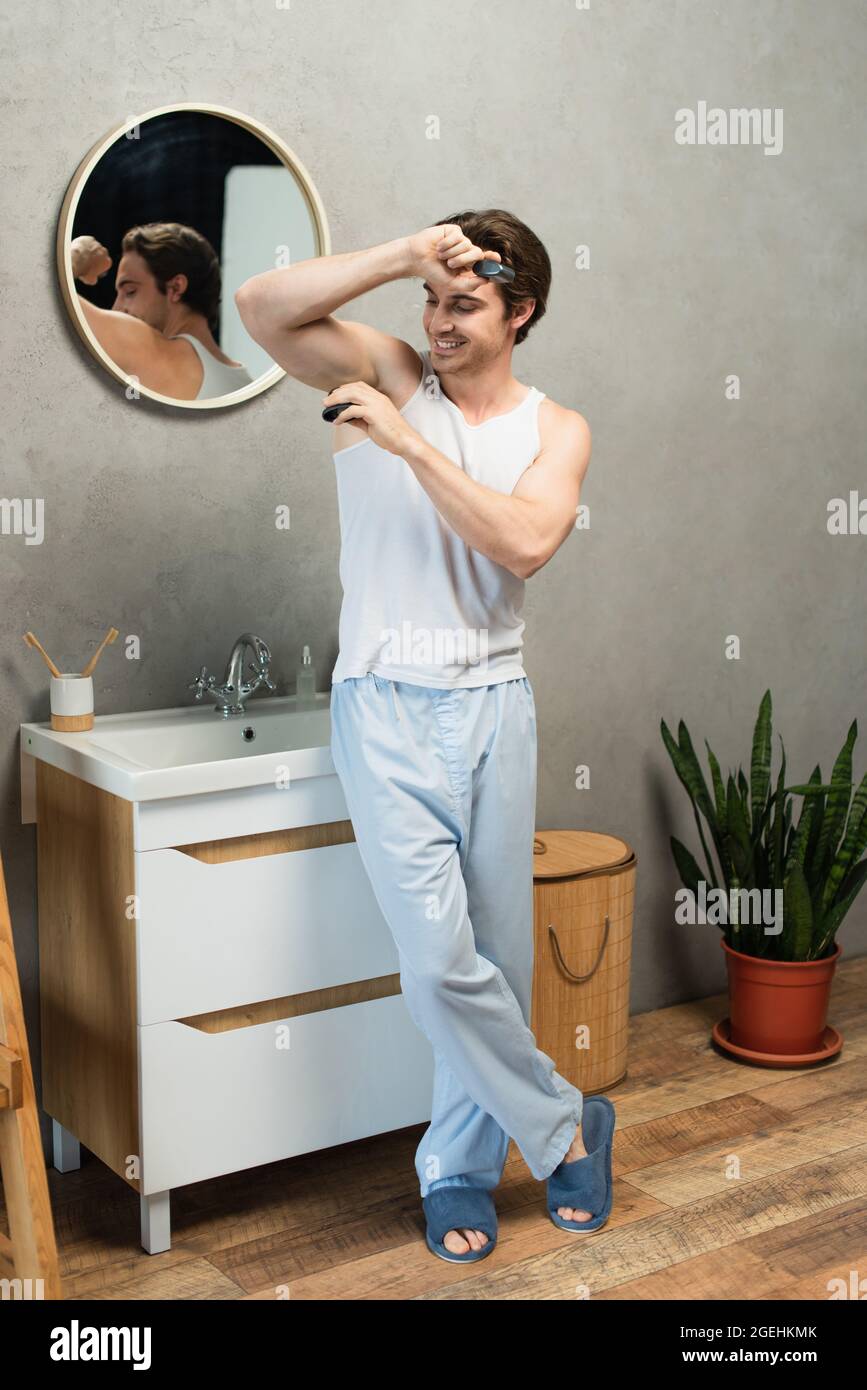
107, 639
34, 642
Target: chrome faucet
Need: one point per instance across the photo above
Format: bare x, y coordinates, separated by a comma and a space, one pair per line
231, 694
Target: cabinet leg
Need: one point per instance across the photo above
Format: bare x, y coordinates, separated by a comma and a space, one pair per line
67, 1150
156, 1222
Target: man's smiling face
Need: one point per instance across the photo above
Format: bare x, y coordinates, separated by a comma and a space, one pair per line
465, 324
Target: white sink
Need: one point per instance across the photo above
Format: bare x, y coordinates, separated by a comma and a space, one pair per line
191, 749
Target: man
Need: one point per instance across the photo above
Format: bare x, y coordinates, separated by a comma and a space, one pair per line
167, 296
464, 484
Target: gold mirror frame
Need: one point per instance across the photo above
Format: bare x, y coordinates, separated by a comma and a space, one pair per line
64, 240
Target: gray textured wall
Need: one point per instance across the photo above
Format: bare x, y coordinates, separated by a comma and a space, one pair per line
708, 514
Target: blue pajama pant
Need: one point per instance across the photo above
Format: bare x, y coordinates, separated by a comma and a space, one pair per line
441, 788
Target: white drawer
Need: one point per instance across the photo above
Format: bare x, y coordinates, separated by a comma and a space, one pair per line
212, 936
216, 815
215, 1103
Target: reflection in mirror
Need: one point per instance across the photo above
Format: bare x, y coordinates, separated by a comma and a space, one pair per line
160, 229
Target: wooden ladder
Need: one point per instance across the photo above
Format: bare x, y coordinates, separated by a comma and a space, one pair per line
29, 1253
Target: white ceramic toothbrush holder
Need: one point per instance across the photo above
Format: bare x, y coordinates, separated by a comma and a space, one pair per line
71, 702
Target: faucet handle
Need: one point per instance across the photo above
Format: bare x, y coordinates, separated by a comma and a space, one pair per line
260, 668
260, 674
201, 683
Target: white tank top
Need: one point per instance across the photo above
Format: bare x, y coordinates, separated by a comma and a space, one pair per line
218, 378
419, 604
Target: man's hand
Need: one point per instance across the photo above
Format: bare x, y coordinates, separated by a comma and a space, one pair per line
374, 413
90, 260
441, 254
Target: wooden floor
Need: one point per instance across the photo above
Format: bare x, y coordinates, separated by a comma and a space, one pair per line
346, 1223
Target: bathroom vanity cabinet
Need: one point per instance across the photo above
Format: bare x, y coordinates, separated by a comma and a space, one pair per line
219, 988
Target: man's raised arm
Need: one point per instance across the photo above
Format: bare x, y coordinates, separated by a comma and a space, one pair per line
289, 312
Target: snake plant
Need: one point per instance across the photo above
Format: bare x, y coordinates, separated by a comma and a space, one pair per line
815, 865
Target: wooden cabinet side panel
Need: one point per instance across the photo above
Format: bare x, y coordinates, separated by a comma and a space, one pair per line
87, 965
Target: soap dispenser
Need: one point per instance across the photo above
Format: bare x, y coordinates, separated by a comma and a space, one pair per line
305, 682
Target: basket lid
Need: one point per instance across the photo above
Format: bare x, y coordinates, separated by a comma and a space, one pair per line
571, 853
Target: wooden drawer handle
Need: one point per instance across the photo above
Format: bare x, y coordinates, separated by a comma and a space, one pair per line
579, 979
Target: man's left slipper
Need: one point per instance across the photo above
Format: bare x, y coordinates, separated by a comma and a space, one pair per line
449, 1209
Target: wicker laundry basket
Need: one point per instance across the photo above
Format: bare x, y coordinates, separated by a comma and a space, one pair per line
584, 888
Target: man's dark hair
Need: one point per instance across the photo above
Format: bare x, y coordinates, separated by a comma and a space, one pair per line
497, 230
169, 248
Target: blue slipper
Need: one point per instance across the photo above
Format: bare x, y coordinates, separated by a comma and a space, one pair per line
450, 1208
586, 1183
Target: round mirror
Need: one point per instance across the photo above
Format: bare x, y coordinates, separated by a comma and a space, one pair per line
165, 218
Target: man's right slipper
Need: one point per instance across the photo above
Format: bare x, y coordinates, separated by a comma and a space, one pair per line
586, 1184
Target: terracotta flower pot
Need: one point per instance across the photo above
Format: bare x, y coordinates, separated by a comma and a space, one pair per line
778, 1006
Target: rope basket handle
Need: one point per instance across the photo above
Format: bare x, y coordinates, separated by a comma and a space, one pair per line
579, 979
